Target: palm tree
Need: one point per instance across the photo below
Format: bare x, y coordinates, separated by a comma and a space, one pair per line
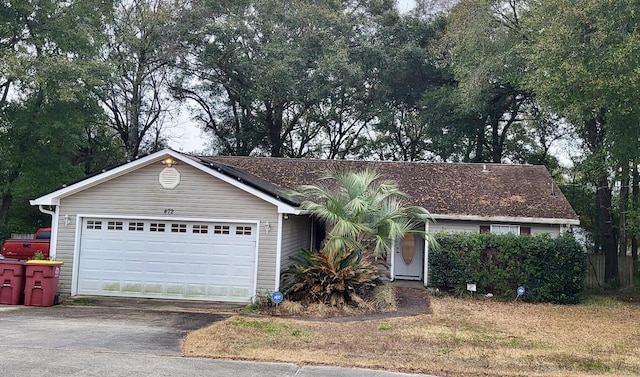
361, 211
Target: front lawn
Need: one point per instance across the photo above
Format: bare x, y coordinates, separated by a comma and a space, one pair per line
462, 337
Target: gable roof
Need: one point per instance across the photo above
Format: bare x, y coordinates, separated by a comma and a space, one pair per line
93, 180
463, 191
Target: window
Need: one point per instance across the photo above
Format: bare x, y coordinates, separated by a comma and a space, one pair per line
178, 228
136, 227
114, 225
505, 229
94, 224
243, 230
156, 227
221, 229
201, 229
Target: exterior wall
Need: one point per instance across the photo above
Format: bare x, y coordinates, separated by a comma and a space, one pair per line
296, 235
453, 226
199, 196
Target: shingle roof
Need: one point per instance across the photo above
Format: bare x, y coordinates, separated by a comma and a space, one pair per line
452, 189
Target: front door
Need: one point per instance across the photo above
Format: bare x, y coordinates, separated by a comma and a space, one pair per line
408, 262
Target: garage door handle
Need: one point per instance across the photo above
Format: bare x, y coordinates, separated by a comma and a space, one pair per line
6, 285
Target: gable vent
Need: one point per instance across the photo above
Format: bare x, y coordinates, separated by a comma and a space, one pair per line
169, 178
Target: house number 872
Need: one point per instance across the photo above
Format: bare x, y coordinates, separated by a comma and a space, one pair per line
168, 211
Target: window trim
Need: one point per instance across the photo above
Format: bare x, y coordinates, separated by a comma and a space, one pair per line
493, 226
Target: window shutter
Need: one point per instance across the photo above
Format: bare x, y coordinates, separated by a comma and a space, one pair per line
525, 230
485, 229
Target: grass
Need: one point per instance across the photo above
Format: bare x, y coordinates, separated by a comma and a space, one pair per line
462, 337
79, 301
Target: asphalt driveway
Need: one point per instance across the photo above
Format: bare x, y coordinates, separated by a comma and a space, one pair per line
123, 341
106, 329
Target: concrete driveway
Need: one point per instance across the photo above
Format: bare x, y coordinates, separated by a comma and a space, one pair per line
123, 341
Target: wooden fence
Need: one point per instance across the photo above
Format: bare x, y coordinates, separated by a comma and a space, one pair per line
595, 271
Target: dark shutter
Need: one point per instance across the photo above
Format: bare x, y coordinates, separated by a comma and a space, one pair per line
525, 230
485, 229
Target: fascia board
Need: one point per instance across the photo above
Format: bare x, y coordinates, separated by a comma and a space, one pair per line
54, 197
507, 219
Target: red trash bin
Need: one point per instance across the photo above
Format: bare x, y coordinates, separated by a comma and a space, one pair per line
41, 283
11, 281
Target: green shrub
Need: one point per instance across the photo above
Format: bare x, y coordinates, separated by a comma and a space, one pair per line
333, 277
551, 269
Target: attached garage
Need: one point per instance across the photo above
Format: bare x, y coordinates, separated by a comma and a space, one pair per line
170, 259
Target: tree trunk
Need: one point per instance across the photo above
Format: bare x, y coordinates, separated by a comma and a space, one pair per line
480, 140
634, 203
611, 273
275, 123
7, 198
624, 200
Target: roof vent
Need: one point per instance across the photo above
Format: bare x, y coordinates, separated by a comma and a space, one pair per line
169, 178
484, 168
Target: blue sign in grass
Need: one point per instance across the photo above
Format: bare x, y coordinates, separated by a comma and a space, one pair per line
520, 291
277, 297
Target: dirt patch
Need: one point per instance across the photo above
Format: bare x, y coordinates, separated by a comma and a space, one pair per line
410, 302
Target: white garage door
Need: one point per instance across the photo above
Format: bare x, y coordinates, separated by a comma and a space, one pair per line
167, 259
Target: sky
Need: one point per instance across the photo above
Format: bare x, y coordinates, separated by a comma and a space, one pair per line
184, 135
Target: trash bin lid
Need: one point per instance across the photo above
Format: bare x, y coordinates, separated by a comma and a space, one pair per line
47, 262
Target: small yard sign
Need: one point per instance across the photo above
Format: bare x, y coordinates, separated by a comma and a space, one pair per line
519, 292
471, 287
277, 297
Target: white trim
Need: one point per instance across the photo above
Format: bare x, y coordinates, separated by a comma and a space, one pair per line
492, 228
278, 253
255, 262
192, 219
54, 197
425, 271
535, 220
392, 275
53, 242
76, 256
78, 236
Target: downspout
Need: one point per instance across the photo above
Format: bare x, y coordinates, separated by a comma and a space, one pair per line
54, 229
426, 254
392, 273
278, 252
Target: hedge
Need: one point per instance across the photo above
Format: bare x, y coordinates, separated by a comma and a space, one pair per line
550, 269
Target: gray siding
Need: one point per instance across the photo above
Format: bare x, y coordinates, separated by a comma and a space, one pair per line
296, 235
452, 226
199, 196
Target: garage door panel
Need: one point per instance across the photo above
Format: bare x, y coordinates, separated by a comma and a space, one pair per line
182, 265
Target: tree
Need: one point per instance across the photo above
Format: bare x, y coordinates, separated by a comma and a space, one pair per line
407, 72
583, 64
295, 79
46, 71
363, 214
139, 52
361, 211
498, 114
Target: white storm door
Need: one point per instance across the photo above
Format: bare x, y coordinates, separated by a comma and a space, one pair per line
408, 260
